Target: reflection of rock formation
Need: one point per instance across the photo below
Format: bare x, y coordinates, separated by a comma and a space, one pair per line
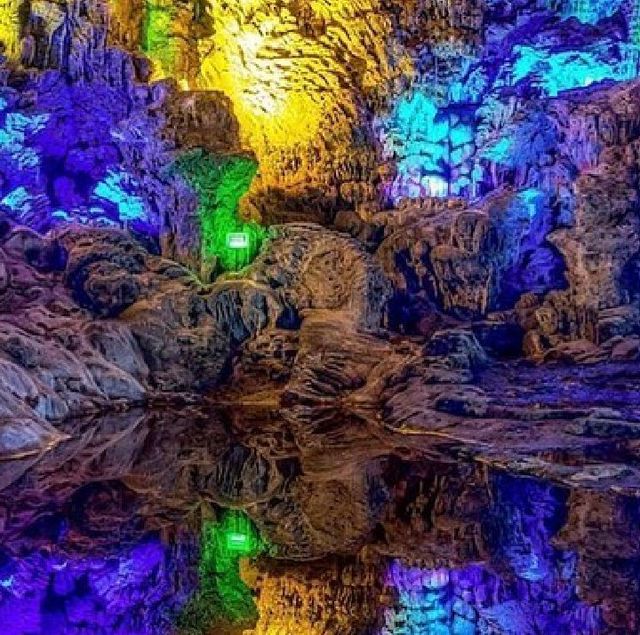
387, 540
132, 589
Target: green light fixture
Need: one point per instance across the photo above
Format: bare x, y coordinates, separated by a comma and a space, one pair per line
238, 240
238, 536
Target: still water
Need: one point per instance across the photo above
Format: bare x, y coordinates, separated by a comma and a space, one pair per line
154, 523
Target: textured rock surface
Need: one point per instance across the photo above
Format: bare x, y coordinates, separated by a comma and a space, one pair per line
427, 401
104, 322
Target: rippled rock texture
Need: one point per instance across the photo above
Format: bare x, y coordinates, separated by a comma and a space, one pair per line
104, 323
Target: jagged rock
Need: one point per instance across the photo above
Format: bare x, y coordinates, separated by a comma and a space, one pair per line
172, 334
307, 265
145, 326
467, 260
460, 347
483, 160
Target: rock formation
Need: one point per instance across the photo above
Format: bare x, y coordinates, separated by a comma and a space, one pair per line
319, 316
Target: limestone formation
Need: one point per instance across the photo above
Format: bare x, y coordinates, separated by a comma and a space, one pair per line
319, 317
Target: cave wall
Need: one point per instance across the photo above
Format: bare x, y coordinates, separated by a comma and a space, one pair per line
511, 122
371, 102
486, 155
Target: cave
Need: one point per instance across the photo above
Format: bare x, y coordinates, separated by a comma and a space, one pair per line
319, 317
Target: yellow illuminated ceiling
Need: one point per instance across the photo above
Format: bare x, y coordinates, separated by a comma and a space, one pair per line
297, 70
10, 27
300, 74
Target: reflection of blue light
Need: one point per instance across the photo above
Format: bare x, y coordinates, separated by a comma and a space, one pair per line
532, 200
61, 215
527, 566
7, 583
425, 600
131, 592
500, 151
20, 124
13, 137
435, 186
476, 598
461, 135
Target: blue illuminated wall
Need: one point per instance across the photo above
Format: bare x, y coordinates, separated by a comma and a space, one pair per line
121, 190
134, 591
473, 600
441, 136
531, 264
63, 157
590, 11
431, 144
558, 71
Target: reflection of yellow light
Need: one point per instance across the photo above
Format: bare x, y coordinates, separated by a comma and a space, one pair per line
10, 27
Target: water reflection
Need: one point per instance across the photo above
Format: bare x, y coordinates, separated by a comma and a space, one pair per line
196, 522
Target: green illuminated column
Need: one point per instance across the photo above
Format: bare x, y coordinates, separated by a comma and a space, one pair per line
158, 41
220, 183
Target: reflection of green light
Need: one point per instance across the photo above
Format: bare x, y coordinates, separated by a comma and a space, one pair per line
238, 240
239, 537
223, 598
